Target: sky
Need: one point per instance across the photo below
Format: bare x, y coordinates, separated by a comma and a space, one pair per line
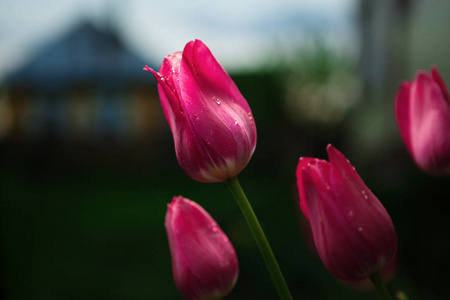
241, 34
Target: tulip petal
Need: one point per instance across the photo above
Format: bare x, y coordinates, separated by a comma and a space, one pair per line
184, 135
204, 261
438, 79
198, 239
302, 164
212, 125
326, 220
219, 113
422, 110
431, 114
365, 222
343, 164
352, 231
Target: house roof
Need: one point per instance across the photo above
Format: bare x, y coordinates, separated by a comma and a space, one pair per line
86, 54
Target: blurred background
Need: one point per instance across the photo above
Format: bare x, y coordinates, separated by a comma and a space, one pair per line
87, 160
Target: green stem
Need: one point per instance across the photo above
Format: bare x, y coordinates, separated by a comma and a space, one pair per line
260, 238
380, 286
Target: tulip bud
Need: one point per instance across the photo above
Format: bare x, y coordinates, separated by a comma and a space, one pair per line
212, 125
204, 262
422, 110
352, 231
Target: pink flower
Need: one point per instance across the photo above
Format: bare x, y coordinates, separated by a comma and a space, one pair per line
422, 109
352, 231
204, 262
212, 125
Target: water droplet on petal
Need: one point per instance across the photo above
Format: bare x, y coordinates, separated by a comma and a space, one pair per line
224, 264
350, 213
250, 116
235, 121
364, 194
217, 100
327, 187
360, 229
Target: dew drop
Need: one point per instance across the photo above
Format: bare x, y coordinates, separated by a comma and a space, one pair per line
364, 194
223, 264
218, 102
327, 187
360, 229
196, 117
235, 121
350, 213
250, 116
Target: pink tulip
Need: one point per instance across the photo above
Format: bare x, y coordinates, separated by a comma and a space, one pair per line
212, 125
352, 231
204, 262
422, 110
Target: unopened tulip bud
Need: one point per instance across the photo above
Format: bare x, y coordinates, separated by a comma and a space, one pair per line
204, 262
352, 231
212, 125
422, 110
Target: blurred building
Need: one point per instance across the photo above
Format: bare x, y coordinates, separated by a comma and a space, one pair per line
83, 90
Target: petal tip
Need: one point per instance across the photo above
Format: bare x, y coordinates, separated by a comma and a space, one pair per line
331, 151
440, 81
157, 75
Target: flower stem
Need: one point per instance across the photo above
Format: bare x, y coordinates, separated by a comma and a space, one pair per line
380, 286
260, 238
